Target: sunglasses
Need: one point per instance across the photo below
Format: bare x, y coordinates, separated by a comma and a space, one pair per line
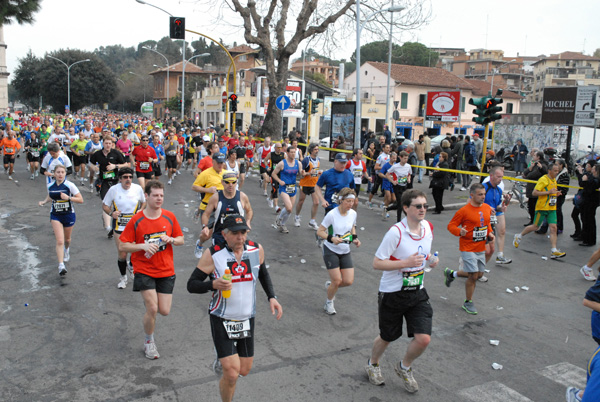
127, 177
145, 140
420, 206
231, 182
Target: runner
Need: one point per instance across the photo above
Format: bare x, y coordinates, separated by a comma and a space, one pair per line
92, 147
386, 184
228, 201
160, 154
495, 198
54, 158
124, 145
33, 147
472, 224
232, 164
402, 256
232, 319
143, 156
285, 174
10, 146
207, 162
382, 158
171, 146
122, 202
359, 170
334, 180
241, 160
62, 193
272, 160
400, 176
310, 165
150, 236
339, 229
547, 193
80, 159
262, 152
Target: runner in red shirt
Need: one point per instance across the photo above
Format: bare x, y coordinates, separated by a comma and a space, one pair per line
150, 236
143, 156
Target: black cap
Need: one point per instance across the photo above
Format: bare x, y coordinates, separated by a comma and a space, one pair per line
219, 157
235, 223
341, 157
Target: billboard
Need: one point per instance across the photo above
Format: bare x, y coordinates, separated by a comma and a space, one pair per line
442, 106
147, 109
327, 105
294, 89
573, 106
343, 117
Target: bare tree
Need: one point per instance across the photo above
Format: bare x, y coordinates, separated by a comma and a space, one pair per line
265, 23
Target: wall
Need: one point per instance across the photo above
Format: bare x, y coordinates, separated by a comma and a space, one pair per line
506, 135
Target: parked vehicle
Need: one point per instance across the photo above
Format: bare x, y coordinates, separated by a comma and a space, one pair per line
506, 158
518, 192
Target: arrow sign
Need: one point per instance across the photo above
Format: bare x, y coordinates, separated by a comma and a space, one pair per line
282, 102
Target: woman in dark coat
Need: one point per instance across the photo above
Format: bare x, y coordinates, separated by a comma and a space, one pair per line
576, 214
589, 203
439, 182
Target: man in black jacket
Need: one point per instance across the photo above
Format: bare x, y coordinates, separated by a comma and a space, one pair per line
536, 169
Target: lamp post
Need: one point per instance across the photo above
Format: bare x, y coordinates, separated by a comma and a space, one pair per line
389, 74
359, 28
494, 73
69, 76
142, 78
168, 68
183, 81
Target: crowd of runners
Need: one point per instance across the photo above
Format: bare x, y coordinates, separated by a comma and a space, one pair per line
121, 159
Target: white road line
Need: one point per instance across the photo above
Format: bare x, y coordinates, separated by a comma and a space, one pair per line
493, 392
565, 374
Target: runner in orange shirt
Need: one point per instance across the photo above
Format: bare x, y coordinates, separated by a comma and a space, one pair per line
472, 224
10, 146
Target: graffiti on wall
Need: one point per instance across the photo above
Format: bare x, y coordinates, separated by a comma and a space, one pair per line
506, 135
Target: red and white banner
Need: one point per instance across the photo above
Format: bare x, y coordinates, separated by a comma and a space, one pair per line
442, 105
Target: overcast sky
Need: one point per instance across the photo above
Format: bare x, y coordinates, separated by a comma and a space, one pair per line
526, 27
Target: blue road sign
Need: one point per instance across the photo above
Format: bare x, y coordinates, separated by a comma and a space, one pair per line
282, 102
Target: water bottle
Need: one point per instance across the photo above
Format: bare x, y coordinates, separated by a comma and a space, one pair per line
433, 259
226, 276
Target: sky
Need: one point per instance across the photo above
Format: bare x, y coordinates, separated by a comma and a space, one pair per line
524, 27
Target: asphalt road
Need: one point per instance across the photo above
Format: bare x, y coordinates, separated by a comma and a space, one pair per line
80, 338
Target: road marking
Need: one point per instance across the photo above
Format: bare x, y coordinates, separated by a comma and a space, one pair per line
493, 392
4, 334
566, 374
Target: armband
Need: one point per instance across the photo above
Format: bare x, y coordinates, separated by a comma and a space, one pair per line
197, 284
265, 281
329, 238
354, 236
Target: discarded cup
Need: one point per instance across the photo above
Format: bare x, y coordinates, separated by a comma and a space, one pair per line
494, 342
290, 256
268, 266
487, 271
303, 261
3, 216
499, 308
544, 258
442, 297
362, 228
509, 291
517, 289
185, 229
496, 366
525, 287
187, 205
427, 269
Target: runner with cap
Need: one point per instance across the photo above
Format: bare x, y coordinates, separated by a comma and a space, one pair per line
232, 316
334, 179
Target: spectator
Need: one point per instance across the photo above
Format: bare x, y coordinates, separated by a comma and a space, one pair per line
589, 203
388, 134
439, 182
457, 161
428, 151
576, 213
520, 156
469, 158
420, 151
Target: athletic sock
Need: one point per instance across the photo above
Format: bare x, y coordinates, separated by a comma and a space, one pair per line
149, 338
553, 249
455, 274
403, 366
587, 268
500, 254
122, 266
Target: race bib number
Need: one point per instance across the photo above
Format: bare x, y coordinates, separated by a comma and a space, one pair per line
122, 221
61, 206
358, 173
154, 238
9, 150
237, 329
108, 175
35, 153
144, 165
480, 233
315, 173
290, 188
402, 181
412, 280
171, 153
552, 200
493, 219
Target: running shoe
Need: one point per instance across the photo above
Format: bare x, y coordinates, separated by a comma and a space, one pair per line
37, 173
588, 274
327, 284
260, 182
170, 182
517, 240
557, 254
278, 210
448, 275
328, 307
502, 260
469, 307
10, 178
199, 249
463, 189
32, 177
265, 193
62, 270
150, 350
270, 202
217, 368
123, 282
178, 172
283, 229
374, 374
483, 278
573, 394
130, 270
297, 221
407, 375
369, 205
67, 255
313, 224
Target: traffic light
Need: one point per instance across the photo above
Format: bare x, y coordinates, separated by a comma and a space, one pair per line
481, 104
177, 28
224, 107
234, 101
491, 110
314, 105
305, 105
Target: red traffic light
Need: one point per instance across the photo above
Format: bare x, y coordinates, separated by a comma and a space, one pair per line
177, 22
233, 97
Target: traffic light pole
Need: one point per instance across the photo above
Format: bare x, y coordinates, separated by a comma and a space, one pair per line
484, 146
308, 120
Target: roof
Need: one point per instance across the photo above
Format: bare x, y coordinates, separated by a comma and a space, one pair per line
422, 76
482, 88
568, 56
190, 68
242, 49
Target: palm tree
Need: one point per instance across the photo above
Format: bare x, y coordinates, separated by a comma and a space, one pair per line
21, 11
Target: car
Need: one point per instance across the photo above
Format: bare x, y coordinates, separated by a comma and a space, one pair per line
324, 142
437, 141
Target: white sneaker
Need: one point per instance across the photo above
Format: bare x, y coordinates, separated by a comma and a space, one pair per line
178, 172
170, 182
270, 202
283, 229
10, 178
297, 221
313, 224
37, 173
62, 270
483, 278
67, 255
32, 177
130, 270
463, 189
588, 274
199, 249
123, 282
328, 307
151, 351
265, 193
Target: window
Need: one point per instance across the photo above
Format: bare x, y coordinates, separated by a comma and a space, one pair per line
509, 108
462, 104
404, 100
243, 57
422, 98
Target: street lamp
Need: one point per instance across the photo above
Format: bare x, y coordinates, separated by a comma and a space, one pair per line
143, 79
168, 67
69, 77
494, 73
359, 28
183, 81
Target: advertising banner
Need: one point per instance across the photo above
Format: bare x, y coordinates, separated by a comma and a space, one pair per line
442, 106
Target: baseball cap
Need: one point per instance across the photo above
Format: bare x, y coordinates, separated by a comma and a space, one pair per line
221, 139
206, 138
219, 157
235, 222
230, 175
476, 135
341, 157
